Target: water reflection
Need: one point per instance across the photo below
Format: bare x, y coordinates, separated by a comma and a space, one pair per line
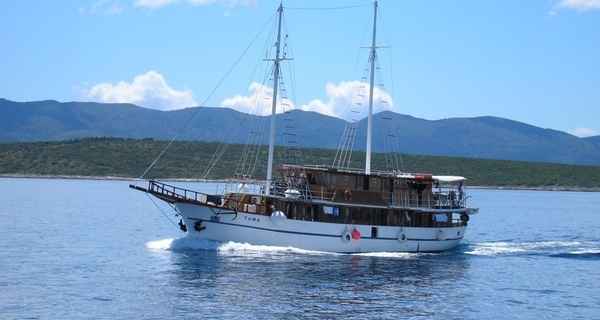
288, 284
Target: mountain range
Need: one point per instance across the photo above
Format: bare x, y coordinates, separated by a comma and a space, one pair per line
477, 137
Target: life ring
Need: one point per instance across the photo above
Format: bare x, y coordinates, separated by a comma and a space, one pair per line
278, 217
402, 235
464, 217
346, 236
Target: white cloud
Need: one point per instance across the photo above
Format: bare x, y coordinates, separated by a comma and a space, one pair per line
259, 101
154, 4
584, 132
580, 5
109, 7
347, 100
113, 7
228, 3
149, 89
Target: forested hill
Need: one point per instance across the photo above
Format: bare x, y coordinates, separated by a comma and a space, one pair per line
129, 158
480, 137
594, 139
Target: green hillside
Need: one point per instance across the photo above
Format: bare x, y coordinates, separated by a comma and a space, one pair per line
129, 158
478, 137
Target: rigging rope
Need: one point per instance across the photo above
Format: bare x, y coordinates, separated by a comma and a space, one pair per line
161, 211
328, 8
212, 92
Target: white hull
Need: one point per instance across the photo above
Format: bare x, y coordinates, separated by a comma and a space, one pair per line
224, 225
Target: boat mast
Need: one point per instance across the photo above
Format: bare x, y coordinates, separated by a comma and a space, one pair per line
372, 58
276, 62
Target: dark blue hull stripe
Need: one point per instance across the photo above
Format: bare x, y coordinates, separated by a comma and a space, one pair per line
315, 234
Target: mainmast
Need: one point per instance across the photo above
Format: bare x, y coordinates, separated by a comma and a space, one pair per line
276, 63
372, 58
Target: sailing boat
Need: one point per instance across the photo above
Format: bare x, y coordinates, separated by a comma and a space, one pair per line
329, 208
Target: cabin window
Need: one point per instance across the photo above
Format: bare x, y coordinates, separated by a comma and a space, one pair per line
440, 218
332, 211
361, 215
380, 217
424, 220
308, 213
330, 214
290, 211
365, 183
373, 232
393, 218
346, 180
374, 184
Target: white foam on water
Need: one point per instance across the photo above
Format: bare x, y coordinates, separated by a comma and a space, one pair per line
508, 248
190, 243
181, 244
164, 244
227, 248
586, 252
550, 244
237, 249
494, 248
398, 255
246, 248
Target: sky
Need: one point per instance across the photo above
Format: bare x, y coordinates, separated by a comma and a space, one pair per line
535, 61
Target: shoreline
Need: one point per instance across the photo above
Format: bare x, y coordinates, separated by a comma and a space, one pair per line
542, 188
117, 178
105, 178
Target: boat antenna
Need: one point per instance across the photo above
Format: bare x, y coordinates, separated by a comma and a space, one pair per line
372, 58
276, 69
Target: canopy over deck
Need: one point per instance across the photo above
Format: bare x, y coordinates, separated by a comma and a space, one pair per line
383, 174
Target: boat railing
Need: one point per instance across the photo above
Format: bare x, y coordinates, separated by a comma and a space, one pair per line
437, 200
179, 193
231, 201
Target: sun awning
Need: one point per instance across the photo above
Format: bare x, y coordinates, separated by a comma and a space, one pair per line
449, 179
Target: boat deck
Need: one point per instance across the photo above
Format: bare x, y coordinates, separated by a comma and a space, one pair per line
173, 194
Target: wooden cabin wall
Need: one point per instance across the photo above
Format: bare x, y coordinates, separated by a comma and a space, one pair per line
349, 187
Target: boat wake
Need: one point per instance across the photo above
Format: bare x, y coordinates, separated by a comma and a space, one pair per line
182, 244
246, 248
227, 248
235, 248
398, 255
560, 249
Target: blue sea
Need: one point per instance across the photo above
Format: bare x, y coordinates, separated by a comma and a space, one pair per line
81, 249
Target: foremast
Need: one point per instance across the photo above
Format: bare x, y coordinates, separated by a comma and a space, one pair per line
372, 59
276, 69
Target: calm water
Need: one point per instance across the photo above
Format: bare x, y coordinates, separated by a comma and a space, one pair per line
96, 250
